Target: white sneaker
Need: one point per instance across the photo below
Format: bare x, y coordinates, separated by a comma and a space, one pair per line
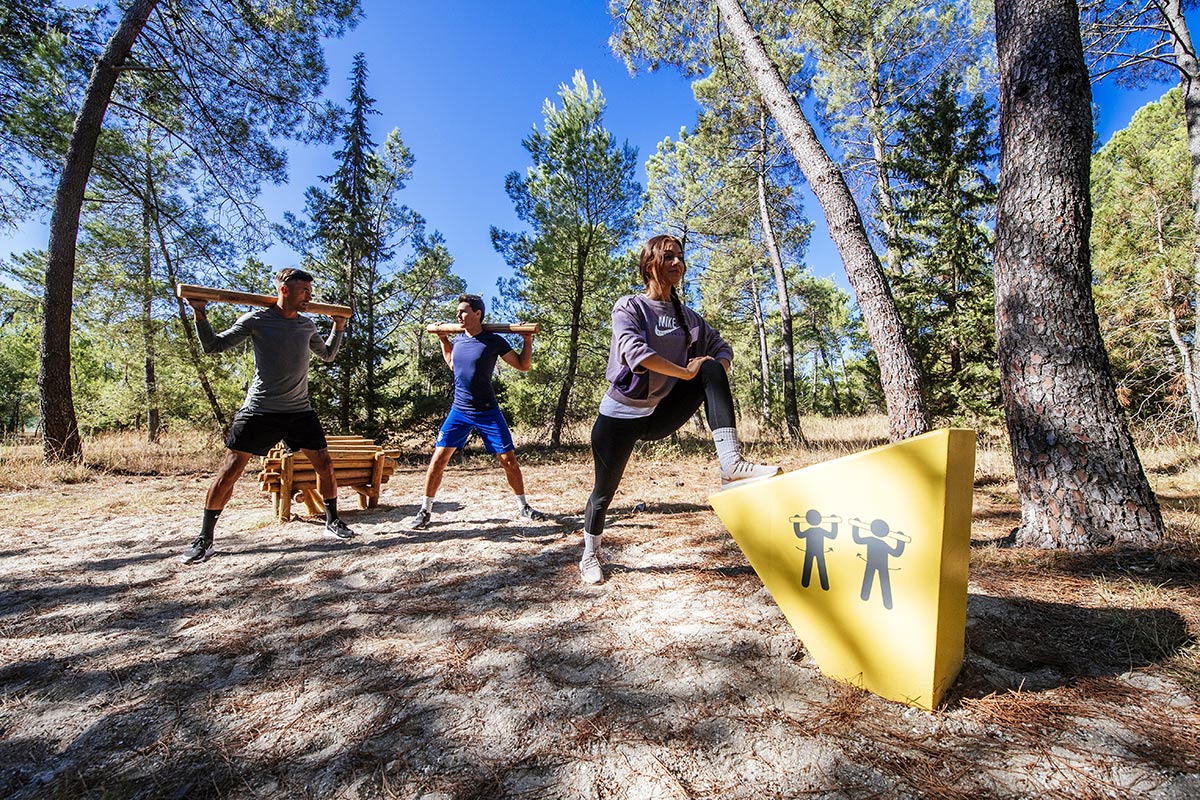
744, 472
590, 570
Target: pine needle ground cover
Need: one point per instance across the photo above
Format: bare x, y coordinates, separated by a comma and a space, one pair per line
467, 660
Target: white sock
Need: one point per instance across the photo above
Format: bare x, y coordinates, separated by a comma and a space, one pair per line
591, 545
427, 504
728, 452
521, 501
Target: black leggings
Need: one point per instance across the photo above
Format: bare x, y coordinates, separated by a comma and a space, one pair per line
613, 438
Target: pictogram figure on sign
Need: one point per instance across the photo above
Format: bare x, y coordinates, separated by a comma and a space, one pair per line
814, 543
882, 544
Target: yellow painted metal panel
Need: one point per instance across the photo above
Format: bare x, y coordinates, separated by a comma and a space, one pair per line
867, 558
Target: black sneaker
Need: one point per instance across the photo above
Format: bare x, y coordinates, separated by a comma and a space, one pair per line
339, 530
530, 513
200, 551
420, 520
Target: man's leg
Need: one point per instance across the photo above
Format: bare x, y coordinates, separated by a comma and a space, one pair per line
214, 503
433, 481
327, 488
516, 481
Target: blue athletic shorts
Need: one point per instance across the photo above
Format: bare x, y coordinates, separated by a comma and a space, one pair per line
490, 424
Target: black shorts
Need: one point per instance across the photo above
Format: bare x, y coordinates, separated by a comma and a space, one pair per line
257, 431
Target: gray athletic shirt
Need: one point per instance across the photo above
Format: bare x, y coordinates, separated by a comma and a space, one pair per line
282, 350
642, 327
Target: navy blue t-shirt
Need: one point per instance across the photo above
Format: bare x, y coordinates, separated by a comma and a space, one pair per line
474, 361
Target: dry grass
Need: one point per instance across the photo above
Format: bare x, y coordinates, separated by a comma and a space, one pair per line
22, 466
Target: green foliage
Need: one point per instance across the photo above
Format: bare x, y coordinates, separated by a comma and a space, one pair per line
372, 253
942, 246
871, 60
1143, 245
37, 62
578, 198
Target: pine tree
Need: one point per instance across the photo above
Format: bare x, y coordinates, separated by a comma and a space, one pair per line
1142, 241
942, 247
351, 241
579, 198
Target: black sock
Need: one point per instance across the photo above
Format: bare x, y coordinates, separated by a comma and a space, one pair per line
210, 523
330, 510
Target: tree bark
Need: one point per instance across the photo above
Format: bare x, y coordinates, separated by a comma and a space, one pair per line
60, 431
189, 336
151, 381
790, 415
764, 361
1080, 481
582, 252
147, 290
901, 377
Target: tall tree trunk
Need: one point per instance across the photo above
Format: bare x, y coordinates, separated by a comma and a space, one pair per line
564, 394
152, 410
1079, 478
879, 150
370, 391
1189, 81
189, 335
833, 391
764, 361
790, 414
901, 377
60, 431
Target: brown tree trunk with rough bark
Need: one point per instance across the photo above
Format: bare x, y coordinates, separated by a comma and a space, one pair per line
901, 376
1079, 478
60, 431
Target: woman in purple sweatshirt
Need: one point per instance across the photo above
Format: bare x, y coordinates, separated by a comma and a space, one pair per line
663, 363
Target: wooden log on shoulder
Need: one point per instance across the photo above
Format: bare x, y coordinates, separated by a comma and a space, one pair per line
493, 327
190, 292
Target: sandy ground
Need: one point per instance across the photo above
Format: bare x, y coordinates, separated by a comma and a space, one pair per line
468, 661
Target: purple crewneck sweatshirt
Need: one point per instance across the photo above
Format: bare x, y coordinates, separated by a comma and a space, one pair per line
642, 327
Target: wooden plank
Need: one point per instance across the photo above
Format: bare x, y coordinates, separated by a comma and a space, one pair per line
493, 327
313, 501
190, 292
372, 500
285, 490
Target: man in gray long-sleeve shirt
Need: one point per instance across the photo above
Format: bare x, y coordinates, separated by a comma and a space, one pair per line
277, 405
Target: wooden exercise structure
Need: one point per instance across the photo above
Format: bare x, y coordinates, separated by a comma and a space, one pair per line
188, 292
492, 327
358, 463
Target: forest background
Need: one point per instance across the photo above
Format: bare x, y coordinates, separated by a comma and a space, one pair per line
904, 95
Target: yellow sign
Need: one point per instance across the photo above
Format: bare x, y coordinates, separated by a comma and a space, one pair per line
867, 558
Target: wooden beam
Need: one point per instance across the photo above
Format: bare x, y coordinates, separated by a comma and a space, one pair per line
189, 292
493, 327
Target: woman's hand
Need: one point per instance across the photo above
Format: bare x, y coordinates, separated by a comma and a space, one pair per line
693, 365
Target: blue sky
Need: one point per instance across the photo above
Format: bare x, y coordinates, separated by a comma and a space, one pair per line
464, 81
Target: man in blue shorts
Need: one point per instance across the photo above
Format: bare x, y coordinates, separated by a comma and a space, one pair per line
277, 405
472, 357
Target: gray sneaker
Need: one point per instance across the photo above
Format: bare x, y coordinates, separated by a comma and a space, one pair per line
590, 570
530, 513
339, 530
744, 472
420, 520
200, 551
